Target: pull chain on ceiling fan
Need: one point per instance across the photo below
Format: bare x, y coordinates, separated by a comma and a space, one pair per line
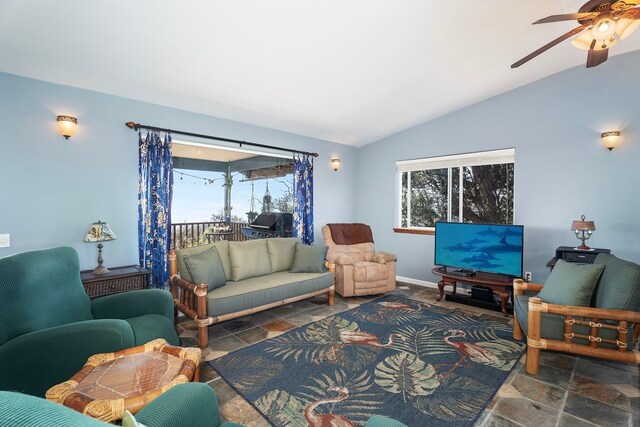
602, 24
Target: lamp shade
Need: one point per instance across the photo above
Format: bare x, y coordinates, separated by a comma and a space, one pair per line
626, 27
99, 232
582, 225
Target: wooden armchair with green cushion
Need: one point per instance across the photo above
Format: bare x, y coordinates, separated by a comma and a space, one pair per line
49, 326
586, 309
185, 405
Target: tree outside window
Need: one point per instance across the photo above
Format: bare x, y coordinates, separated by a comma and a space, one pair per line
475, 188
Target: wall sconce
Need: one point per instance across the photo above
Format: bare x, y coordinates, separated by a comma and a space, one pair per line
610, 139
335, 164
67, 125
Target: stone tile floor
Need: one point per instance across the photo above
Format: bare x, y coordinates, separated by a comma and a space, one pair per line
568, 391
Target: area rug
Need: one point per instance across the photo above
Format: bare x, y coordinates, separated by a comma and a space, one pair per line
417, 363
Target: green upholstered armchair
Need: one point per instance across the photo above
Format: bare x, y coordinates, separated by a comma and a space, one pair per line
587, 309
49, 326
188, 405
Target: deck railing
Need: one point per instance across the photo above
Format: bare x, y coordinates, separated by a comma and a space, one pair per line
188, 234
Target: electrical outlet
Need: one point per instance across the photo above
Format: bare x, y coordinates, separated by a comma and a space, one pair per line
528, 276
5, 240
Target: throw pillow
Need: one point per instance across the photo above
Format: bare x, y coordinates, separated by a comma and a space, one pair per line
206, 267
249, 259
619, 287
309, 259
281, 253
128, 420
571, 284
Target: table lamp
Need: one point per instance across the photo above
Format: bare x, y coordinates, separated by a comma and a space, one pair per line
99, 232
584, 230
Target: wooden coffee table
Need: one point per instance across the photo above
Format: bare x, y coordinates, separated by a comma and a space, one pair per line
128, 379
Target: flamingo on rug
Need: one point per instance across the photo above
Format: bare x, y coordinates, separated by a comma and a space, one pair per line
365, 338
491, 353
328, 420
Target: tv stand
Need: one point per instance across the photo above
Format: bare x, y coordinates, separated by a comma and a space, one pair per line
498, 284
461, 271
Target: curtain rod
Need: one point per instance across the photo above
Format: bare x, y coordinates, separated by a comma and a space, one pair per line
138, 126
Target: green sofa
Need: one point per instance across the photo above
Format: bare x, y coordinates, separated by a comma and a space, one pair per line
185, 405
225, 280
49, 326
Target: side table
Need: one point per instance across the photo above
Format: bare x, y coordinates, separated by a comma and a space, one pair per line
221, 235
118, 279
571, 254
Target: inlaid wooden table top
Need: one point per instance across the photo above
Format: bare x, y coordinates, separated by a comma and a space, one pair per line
110, 383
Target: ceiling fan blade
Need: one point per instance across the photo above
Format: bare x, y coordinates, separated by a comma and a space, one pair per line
631, 14
597, 57
549, 46
567, 17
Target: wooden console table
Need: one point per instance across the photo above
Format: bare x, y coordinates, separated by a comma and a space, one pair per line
500, 284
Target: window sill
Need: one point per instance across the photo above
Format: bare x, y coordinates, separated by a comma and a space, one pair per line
426, 231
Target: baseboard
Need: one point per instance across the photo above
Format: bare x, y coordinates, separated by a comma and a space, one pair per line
417, 282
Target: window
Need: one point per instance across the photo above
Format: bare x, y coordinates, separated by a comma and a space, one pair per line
474, 187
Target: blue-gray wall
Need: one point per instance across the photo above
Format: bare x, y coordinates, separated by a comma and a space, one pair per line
561, 172
52, 189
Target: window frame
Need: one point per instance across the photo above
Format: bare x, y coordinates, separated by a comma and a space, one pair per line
481, 158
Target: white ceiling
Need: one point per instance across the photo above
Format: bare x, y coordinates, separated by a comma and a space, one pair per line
349, 71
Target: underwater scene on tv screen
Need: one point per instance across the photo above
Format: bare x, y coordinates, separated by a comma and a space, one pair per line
491, 248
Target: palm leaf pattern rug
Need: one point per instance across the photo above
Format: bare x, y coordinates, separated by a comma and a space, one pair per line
420, 364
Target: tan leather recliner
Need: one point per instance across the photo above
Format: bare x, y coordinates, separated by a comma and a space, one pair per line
358, 269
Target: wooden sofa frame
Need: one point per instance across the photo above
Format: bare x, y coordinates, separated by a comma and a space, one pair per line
191, 299
589, 316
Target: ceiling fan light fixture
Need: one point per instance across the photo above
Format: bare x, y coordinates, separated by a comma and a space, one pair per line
626, 27
584, 40
604, 28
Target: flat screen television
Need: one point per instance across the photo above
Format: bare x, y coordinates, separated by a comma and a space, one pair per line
492, 248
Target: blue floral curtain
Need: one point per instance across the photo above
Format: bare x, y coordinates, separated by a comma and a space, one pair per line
303, 198
155, 185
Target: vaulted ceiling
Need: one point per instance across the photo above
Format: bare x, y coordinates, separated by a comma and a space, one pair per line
345, 71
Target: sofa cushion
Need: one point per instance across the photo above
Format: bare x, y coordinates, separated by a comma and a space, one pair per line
257, 291
206, 267
571, 284
309, 259
619, 286
281, 253
223, 252
249, 259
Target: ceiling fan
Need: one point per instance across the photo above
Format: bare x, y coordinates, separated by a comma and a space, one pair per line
602, 24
